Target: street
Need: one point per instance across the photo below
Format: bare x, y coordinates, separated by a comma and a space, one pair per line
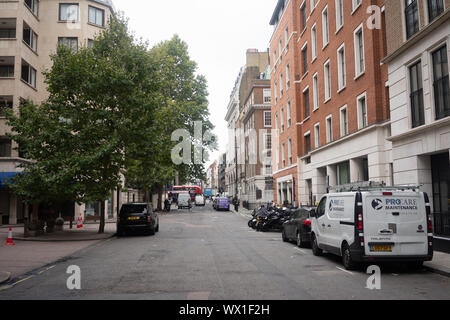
203, 254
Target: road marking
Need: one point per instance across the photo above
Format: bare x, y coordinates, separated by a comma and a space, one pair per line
345, 270
24, 279
296, 248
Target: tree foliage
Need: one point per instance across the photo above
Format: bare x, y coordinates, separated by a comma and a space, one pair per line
111, 110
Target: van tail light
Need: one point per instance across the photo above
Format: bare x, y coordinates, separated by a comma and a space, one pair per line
360, 219
149, 218
306, 222
387, 194
429, 219
429, 222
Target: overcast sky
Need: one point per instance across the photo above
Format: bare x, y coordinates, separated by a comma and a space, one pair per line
218, 34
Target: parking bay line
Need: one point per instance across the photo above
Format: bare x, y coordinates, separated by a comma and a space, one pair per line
345, 270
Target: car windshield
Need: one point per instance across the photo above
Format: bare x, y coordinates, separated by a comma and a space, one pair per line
134, 208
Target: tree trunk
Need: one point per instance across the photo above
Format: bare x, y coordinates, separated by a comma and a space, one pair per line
26, 222
102, 218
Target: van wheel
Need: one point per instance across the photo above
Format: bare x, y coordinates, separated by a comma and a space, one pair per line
416, 265
347, 260
315, 247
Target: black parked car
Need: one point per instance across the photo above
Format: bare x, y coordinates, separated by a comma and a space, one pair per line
137, 216
298, 227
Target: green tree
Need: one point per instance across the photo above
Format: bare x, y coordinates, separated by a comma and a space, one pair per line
78, 138
183, 101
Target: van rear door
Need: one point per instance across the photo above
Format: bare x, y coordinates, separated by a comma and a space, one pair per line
395, 223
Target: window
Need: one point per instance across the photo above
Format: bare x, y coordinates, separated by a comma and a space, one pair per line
412, 18
344, 121
33, 5
288, 77
317, 135
282, 119
343, 173
435, 8
327, 80
267, 119
306, 102
329, 129
362, 111
355, 4
6, 67
280, 50
283, 160
7, 28
303, 15
342, 81
416, 95
276, 121
313, 42
5, 147
267, 96
275, 59
71, 43
307, 142
91, 45
96, 16
441, 83
325, 34
6, 102
305, 58
286, 37
289, 151
312, 4
276, 92
339, 14
30, 37
68, 12
288, 114
281, 85
321, 207
268, 144
28, 74
315, 92
359, 51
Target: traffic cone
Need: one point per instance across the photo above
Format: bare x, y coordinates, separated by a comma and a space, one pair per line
80, 222
9, 241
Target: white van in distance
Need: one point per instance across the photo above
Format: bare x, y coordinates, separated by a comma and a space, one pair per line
374, 225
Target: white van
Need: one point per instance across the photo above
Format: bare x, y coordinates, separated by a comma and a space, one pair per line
388, 224
184, 201
200, 200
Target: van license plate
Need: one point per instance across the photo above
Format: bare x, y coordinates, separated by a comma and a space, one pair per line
134, 218
381, 248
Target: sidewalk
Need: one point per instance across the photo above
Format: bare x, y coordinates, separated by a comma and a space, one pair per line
32, 253
440, 264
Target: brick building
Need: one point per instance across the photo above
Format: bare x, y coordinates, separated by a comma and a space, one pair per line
284, 63
337, 97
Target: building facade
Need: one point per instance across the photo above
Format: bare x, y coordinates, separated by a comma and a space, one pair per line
284, 66
257, 124
418, 37
30, 31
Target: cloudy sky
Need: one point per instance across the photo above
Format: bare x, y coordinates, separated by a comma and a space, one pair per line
218, 34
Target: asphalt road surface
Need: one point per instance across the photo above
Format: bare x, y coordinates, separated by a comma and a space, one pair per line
203, 254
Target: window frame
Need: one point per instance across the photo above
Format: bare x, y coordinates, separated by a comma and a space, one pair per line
339, 14
329, 128
325, 27
357, 48
343, 120
103, 16
419, 119
363, 121
265, 119
68, 4
327, 80
342, 66
315, 92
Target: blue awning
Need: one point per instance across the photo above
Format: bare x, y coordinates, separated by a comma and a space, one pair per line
5, 176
